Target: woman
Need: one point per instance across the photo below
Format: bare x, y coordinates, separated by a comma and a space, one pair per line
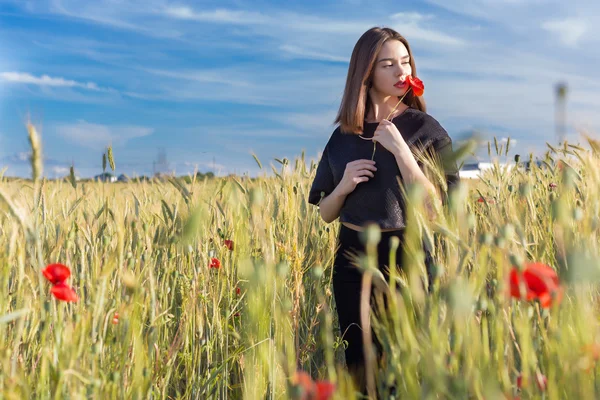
358, 190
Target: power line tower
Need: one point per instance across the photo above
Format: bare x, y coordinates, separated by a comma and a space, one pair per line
560, 111
161, 165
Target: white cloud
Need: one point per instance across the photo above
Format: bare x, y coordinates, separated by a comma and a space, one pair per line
312, 33
496, 10
569, 30
513, 142
411, 27
218, 16
60, 171
109, 14
289, 25
315, 122
296, 51
412, 17
571, 21
220, 76
255, 84
97, 136
45, 80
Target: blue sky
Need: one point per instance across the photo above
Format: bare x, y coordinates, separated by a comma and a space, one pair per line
211, 82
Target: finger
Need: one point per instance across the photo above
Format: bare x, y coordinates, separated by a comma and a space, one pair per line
365, 172
366, 165
362, 169
362, 161
359, 180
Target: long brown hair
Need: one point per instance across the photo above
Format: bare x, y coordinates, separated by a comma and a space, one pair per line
356, 101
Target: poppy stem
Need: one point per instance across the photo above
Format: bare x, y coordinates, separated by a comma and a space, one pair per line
399, 101
388, 117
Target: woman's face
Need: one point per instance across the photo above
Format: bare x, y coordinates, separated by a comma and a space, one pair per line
391, 69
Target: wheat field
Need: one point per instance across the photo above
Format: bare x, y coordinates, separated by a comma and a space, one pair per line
221, 288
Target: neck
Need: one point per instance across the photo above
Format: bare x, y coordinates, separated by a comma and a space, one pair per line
382, 106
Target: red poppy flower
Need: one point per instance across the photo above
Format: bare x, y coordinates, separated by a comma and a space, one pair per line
540, 379
64, 292
311, 390
228, 243
540, 282
214, 263
325, 390
417, 85
552, 185
56, 273
304, 380
238, 291
115, 319
489, 201
593, 350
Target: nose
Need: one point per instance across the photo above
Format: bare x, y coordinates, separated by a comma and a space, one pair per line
401, 70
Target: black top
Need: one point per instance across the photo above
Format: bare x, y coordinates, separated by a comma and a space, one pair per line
379, 199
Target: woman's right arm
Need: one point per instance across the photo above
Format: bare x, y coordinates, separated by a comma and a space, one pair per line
356, 172
331, 205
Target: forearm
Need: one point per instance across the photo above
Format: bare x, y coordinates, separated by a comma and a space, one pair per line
412, 174
330, 206
410, 171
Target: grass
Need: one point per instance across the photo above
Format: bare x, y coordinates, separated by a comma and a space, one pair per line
142, 250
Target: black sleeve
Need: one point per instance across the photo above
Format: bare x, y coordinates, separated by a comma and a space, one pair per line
443, 148
323, 183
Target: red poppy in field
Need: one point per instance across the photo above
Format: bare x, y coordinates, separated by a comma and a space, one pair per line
539, 282
115, 319
64, 292
416, 84
593, 350
489, 201
238, 291
228, 243
552, 185
303, 380
325, 390
214, 263
311, 390
540, 379
56, 273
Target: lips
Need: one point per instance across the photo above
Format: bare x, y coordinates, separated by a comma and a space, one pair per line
400, 84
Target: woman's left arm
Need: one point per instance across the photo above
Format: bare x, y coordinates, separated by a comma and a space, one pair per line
388, 136
412, 173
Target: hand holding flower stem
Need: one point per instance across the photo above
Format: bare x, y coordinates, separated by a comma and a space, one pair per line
414, 84
388, 118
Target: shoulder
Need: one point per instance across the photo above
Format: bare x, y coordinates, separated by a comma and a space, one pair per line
426, 128
424, 120
337, 137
